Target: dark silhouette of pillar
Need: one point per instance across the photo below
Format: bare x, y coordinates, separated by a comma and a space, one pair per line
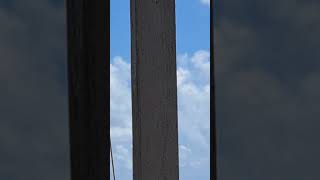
88, 66
213, 143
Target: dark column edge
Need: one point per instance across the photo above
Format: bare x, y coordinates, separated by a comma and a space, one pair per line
213, 139
88, 75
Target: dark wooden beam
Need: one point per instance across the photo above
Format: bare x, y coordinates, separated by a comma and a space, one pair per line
88, 57
213, 129
154, 90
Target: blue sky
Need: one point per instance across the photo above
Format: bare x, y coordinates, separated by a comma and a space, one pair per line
193, 43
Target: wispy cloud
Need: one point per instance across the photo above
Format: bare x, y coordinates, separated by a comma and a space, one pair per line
120, 100
123, 155
194, 97
184, 154
120, 115
205, 2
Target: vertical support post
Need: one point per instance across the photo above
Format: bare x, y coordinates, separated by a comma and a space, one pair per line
213, 143
154, 90
88, 72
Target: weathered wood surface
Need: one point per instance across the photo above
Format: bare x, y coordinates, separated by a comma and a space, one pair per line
88, 54
154, 90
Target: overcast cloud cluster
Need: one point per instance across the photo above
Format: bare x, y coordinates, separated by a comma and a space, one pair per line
267, 79
33, 94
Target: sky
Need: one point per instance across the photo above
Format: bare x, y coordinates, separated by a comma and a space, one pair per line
267, 88
33, 91
267, 73
193, 68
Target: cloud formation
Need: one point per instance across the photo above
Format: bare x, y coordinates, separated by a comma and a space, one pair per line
267, 73
206, 2
33, 106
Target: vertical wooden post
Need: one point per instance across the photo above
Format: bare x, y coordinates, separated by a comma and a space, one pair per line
213, 129
154, 90
88, 56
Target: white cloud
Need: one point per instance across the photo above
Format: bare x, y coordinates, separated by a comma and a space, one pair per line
194, 97
121, 133
201, 62
182, 76
184, 155
206, 2
189, 159
120, 100
120, 115
123, 156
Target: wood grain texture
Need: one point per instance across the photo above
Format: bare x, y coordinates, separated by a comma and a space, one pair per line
154, 90
88, 54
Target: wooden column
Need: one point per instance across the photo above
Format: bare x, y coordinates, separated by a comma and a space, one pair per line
88, 57
213, 129
154, 90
